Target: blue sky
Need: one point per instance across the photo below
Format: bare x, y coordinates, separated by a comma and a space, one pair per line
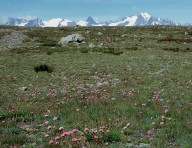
177, 10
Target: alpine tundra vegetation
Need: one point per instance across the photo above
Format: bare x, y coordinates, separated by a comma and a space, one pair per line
120, 87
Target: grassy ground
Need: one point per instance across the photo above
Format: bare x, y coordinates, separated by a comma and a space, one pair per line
133, 89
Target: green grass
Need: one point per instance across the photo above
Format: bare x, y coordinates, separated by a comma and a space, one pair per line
128, 81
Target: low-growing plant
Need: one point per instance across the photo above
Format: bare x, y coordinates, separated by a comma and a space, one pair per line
43, 67
84, 50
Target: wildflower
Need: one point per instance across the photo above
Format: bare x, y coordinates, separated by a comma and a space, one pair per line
106, 143
108, 131
101, 130
150, 132
166, 110
86, 129
57, 138
46, 115
74, 140
57, 143
161, 123
74, 130
129, 140
150, 139
46, 122
95, 137
55, 118
51, 142
81, 134
78, 110
162, 117
65, 134
93, 131
46, 135
116, 120
153, 123
61, 128
49, 127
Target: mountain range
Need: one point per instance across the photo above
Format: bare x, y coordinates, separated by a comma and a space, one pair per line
142, 19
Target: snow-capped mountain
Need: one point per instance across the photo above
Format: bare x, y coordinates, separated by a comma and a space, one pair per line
65, 22
24, 22
141, 19
52, 23
37, 22
16, 22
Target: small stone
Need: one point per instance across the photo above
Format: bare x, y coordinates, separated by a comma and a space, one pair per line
100, 33
91, 45
23, 88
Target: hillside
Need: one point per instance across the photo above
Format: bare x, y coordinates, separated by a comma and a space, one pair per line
121, 87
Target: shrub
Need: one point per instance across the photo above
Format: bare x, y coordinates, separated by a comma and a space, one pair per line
49, 52
84, 50
43, 67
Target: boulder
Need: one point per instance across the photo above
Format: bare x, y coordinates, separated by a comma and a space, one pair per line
78, 38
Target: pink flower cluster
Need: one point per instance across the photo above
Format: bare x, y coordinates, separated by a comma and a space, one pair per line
64, 134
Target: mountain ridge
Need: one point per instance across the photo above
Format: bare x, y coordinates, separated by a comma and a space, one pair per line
142, 19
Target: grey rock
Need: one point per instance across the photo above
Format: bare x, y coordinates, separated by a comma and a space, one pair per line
100, 33
91, 45
23, 88
78, 38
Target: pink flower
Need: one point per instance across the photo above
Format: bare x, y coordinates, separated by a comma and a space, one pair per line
69, 132
57, 138
55, 118
74, 130
150, 132
46, 115
46, 122
101, 130
49, 127
64, 134
93, 131
57, 143
61, 128
81, 134
51, 142
161, 123
46, 135
116, 120
166, 110
150, 139
74, 140
86, 129
95, 137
